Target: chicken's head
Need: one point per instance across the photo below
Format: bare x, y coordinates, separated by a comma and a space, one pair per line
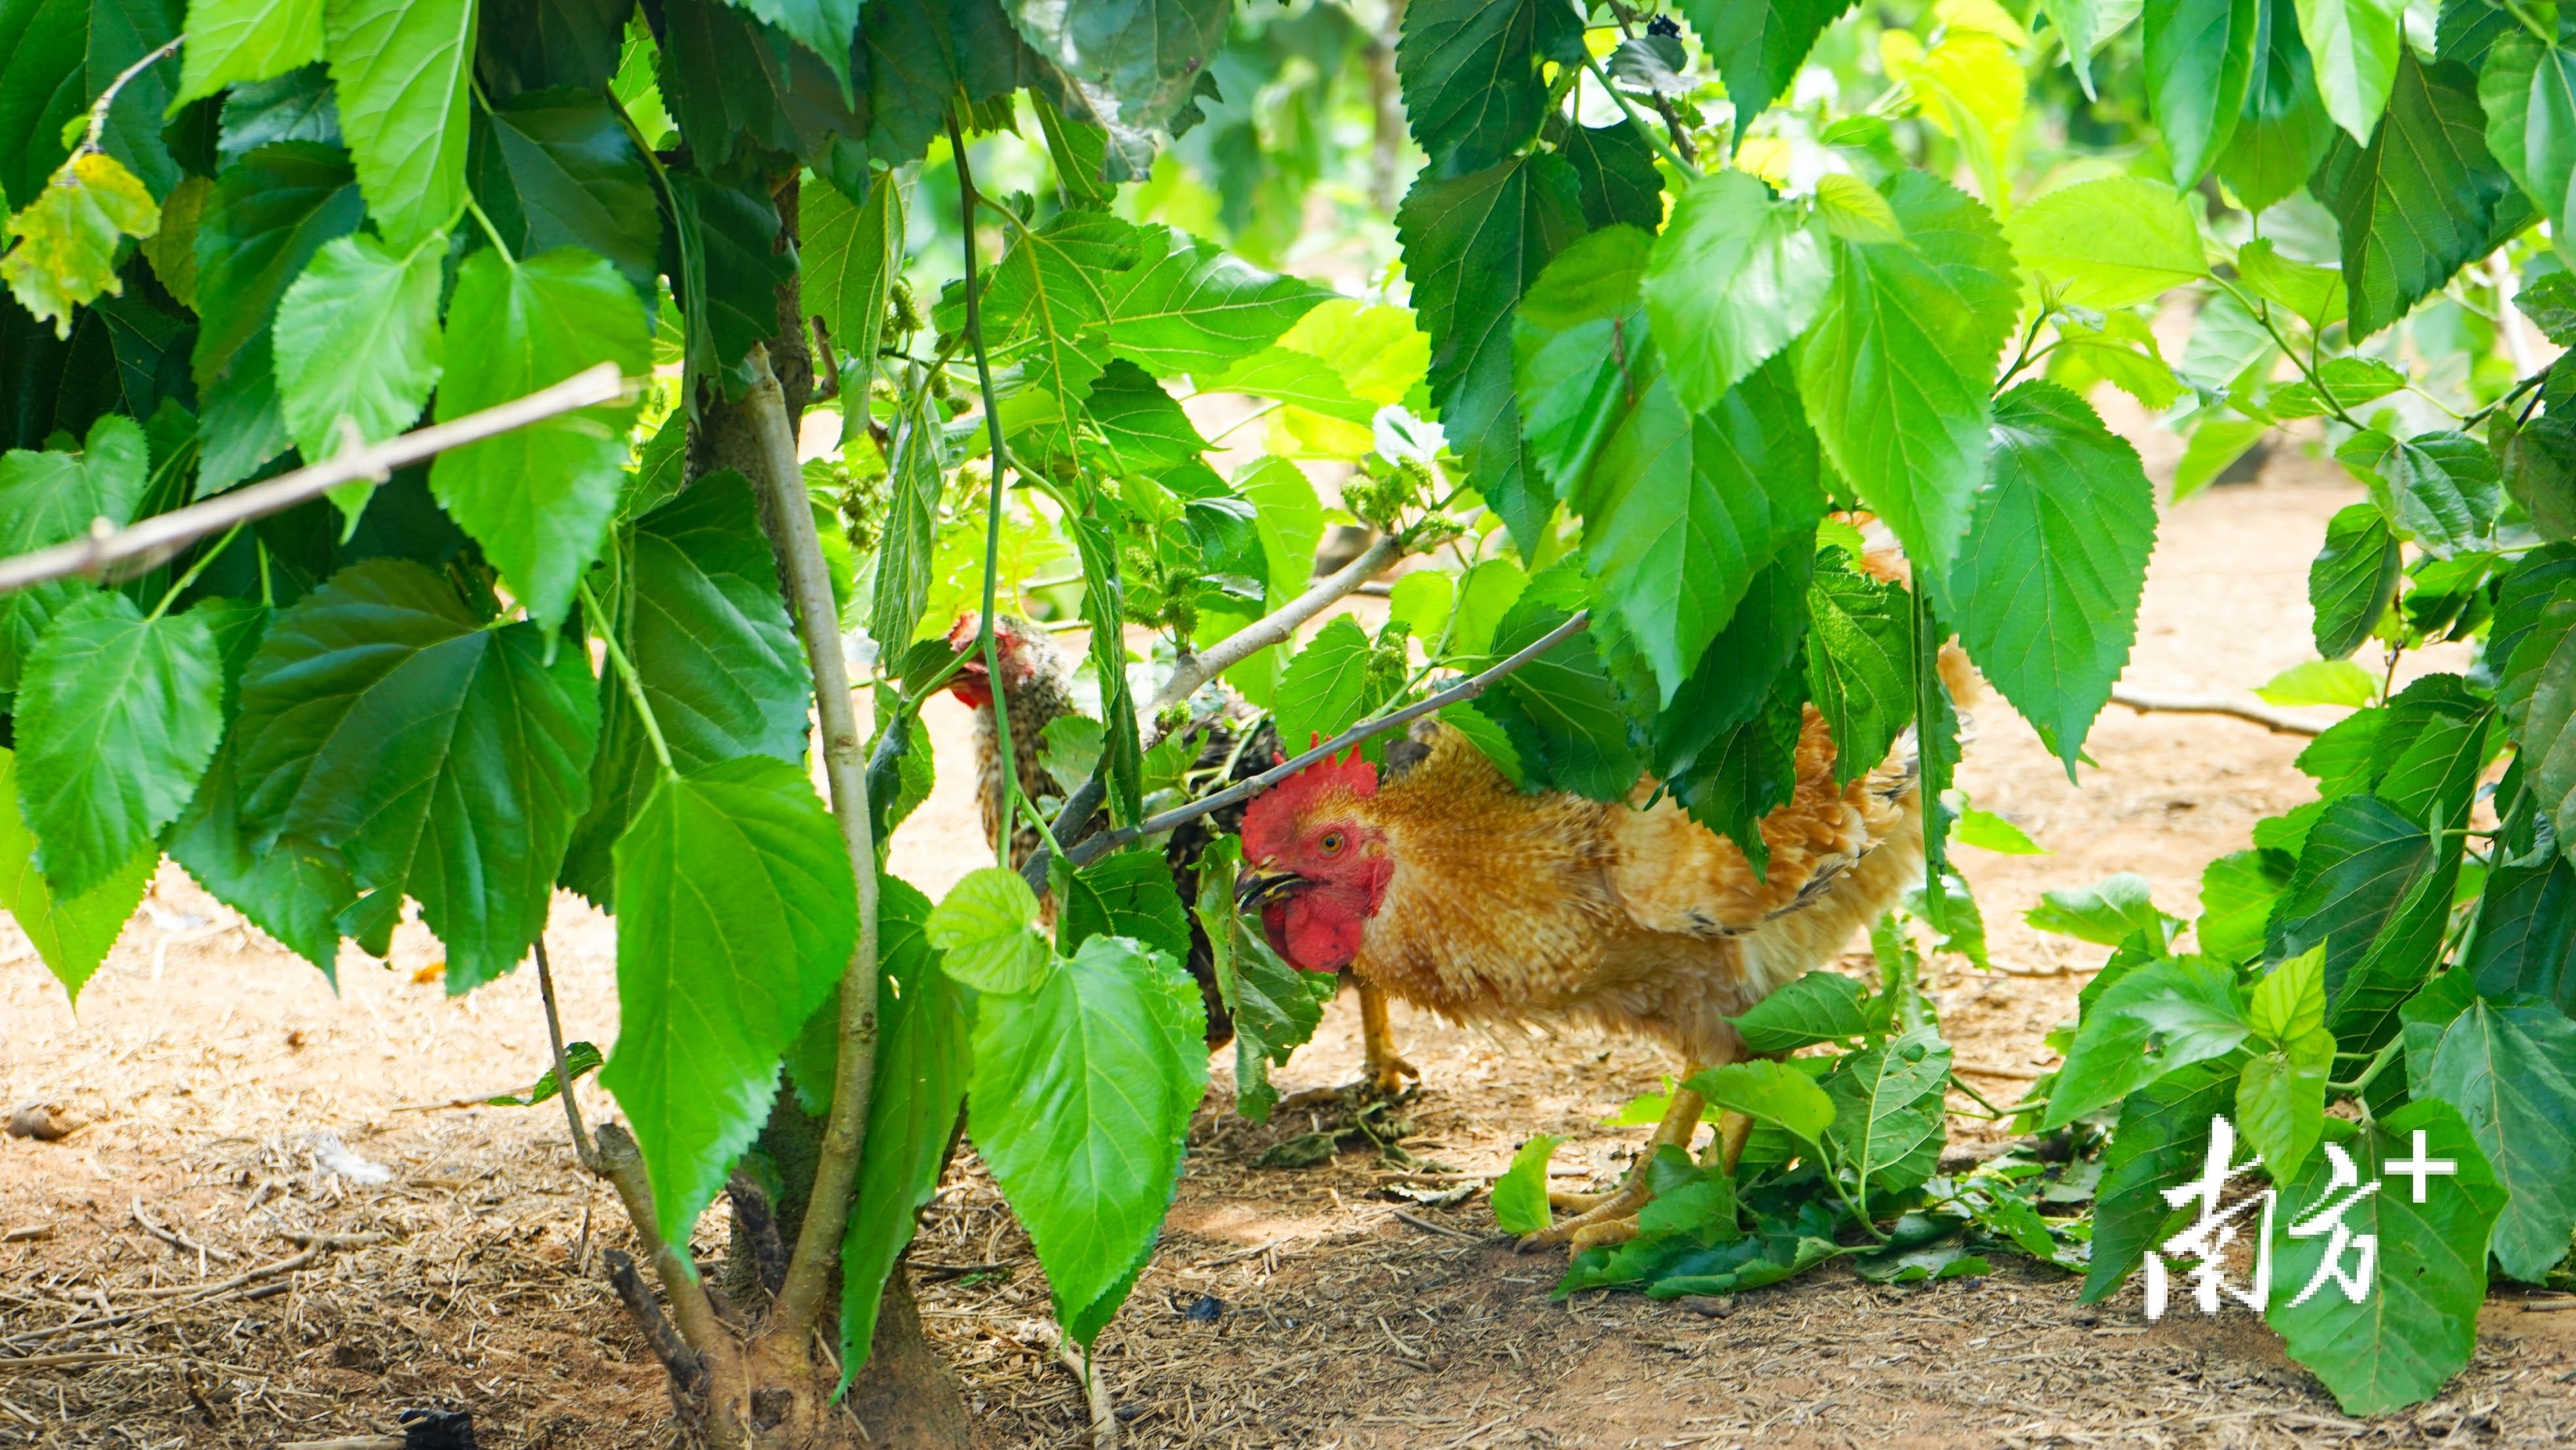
1316, 863
1011, 640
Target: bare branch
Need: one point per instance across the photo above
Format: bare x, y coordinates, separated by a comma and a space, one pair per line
790, 517
622, 1164
1196, 670
1193, 671
158, 537
674, 1352
2279, 722
581, 1148
106, 101
1092, 848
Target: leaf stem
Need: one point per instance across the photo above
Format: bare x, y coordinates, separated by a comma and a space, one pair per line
1255, 415
1965, 1086
2261, 312
625, 669
1029, 809
196, 569
490, 232
2379, 1061
984, 633
1637, 118
2022, 357
106, 101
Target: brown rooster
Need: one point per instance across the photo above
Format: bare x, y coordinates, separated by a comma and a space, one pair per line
1444, 886
1037, 688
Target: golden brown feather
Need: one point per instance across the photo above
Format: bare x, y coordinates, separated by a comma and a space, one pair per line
1504, 906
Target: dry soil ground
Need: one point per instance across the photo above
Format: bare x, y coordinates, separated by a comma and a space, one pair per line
225, 1080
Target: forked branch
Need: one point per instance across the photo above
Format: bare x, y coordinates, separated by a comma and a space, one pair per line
1193, 671
1272, 628
1095, 846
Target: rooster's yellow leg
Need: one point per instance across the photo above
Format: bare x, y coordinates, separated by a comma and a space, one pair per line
1728, 1148
1611, 1218
1381, 1068
1724, 1151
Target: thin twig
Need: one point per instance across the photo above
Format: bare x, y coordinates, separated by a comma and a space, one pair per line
178, 1240
668, 1345
2279, 722
987, 636
2009, 1074
315, 1246
77, 1360
1439, 1228
836, 1166
1273, 628
1093, 847
162, 535
563, 1067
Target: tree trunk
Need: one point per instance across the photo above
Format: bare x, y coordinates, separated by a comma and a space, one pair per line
905, 1395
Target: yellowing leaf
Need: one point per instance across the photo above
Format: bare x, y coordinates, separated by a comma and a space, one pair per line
1983, 15
66, 238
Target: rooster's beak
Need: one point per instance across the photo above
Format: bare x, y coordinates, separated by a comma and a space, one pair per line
1256, 886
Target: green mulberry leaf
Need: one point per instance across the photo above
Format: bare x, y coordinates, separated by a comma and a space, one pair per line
1081, 1104
118, 715
73, 934
1896, 370
736, 914
445, 759
2422, 199
400, 70
538, 499
2055, 562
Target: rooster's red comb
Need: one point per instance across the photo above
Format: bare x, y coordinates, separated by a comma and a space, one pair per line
970, 624
1270, 824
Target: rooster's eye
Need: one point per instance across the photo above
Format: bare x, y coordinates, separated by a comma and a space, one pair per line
1331, 845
